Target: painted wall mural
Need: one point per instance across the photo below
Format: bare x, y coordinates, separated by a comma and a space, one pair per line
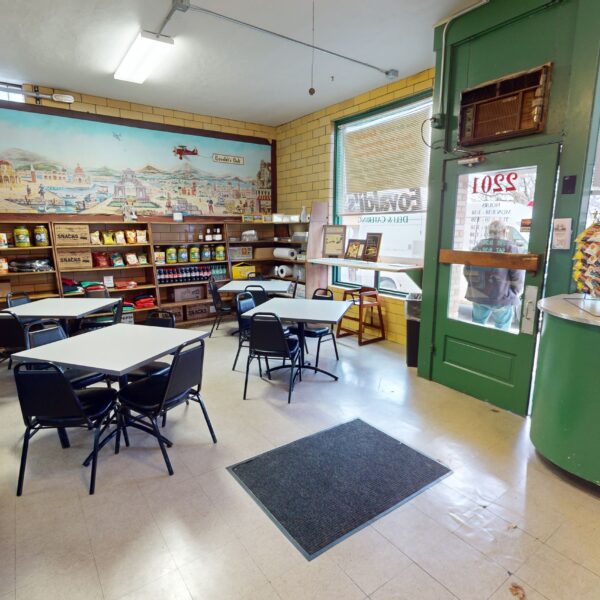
55, 164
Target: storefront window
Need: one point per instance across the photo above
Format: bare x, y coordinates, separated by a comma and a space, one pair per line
493, 214
382, 165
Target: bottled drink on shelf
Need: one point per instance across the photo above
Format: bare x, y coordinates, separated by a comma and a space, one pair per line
208, 237
217, 237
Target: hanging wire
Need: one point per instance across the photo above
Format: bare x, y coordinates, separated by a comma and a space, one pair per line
312, 90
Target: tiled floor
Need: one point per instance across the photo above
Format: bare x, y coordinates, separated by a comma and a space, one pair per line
503, 518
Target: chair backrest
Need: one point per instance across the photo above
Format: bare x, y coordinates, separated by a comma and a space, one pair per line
258, 293
97, 293
255, 275
322, 294
118, 311
51, 331
45, 393
214, 292
267, 337
186, 370
160, 318
11, 331
17, 298
243, 303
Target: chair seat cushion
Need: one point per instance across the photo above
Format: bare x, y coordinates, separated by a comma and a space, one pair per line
312, 331
95, 402
293, 344
145, 395
226, 308
156, 367
79, 378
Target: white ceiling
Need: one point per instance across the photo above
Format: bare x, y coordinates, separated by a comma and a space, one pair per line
219, 68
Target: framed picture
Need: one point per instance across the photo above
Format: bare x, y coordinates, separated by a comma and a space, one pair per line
334, 240
372, 244
355, 249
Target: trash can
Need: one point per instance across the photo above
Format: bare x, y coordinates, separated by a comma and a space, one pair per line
412, 307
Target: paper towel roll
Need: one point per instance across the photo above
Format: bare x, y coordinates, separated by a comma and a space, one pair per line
284, 271
285, 253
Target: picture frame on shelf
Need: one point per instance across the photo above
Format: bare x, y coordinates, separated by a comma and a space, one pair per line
372, 246
334, 240
355, 249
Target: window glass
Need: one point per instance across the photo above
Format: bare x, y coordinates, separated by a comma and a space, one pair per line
13, 94
382, 168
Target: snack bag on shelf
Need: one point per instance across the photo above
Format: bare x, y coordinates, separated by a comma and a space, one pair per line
142, 259
119, 237
117, 259
100, 259
131, 258
141, 236
95, 238
108, 238
130, 236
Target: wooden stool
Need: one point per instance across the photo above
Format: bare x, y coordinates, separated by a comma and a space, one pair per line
366, 299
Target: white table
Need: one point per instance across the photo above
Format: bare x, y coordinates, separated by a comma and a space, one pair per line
61, 308
302, 311
271, 286
115, 350
352, 263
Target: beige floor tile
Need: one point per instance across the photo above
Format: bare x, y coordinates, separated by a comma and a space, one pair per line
169, 586
413, 584
463, 570
8, 572
369, 559
559, 578
512, 586
320, 579
228, 573
500, 540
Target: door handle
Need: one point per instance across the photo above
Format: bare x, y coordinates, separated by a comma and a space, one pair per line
529, 302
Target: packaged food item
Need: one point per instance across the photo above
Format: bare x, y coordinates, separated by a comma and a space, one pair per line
141, 236
131, 258
182, 254
40, 236
117, 259
194, 254
206, 253
130, 236
100, 259
22, 239
108, 238
3, 240
125, 285
220, 252
3, 265
171, 255
95, 238
159, 256
142, 259
119, 237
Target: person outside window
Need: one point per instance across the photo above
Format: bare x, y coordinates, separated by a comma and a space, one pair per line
494, 292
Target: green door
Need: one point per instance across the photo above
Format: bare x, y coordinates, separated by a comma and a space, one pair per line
486, 317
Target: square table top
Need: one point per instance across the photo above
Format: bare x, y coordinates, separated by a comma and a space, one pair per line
271, 286
303, 310
61, 308
114, 350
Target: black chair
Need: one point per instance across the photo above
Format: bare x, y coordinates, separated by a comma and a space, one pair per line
268, 340
91, 323
243, 303
49, 402
48, 331
222, 309
12, 336
18, 299
156, 395
258, 293
317, 331
157, 318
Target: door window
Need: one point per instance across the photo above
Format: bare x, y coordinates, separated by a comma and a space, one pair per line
494, 210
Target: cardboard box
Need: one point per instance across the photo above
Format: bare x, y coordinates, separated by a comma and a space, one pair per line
241, 270
197, 311
74, 234
263, 253
4, 288
178, 312
180, 294
240, 252
71, 260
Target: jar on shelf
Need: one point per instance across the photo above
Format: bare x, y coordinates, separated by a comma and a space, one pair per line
206, 254
40, 236
22, 239
220, 252
195, 254
182, 254
159, 256
171, 255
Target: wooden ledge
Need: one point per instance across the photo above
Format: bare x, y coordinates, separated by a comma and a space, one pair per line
497, 260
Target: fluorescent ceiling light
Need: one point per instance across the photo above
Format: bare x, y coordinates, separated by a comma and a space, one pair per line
147, 50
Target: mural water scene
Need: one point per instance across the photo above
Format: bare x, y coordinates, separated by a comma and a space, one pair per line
55, 164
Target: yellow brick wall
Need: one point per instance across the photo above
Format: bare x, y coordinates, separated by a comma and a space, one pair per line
305, 166
153, 114
305, 145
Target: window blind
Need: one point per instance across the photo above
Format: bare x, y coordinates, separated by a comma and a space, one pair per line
385, 153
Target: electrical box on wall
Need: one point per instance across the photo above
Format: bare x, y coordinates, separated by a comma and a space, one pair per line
508, 107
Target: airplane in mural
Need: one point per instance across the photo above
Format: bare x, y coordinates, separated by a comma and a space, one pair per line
182, 151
